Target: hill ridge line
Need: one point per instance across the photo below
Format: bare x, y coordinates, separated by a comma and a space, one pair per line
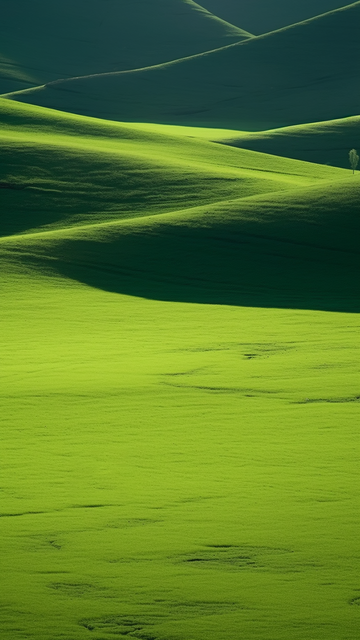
205, 164
134, 220
128, 220
127, 35
119, 123
222, 20
307, 20
169, 63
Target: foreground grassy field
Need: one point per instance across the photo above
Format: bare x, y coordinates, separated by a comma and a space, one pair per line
172, 467
174, 470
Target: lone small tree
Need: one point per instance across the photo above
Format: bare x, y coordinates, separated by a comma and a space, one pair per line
354, 159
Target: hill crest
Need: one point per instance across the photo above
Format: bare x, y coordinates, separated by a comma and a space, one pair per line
291, 76
43, 41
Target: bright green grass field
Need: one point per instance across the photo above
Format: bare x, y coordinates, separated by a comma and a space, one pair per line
172, 470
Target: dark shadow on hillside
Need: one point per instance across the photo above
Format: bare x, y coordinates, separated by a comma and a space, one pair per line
309, 148
219, 265
301, 74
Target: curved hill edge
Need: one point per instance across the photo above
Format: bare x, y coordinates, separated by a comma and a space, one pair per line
262, 15
56, 42
213, 15
248, 85
108, 74
326, 142
195, 215
164, 65
60, 169
294, 250
306, 20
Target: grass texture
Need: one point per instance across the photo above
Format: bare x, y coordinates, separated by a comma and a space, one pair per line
173, 470
177, 461
42, 41
299, 74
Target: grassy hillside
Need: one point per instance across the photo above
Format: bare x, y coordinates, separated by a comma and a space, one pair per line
42, 41
321, 142
300, 74
174, 470
60, 169
256, 230
294, 251
262, 16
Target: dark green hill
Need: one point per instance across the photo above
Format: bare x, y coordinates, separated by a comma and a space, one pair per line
321, 142
153, 212
294, 250
42, 41
304, 73
262, 16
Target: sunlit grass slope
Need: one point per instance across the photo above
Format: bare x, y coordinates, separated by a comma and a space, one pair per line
296, 250
59, 169
42, 41
174, 471
326, 143
321, 142
262, 16
139, 210
304, 73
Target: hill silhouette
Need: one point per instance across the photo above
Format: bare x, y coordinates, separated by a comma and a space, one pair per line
42, 41
262, 16
304, 73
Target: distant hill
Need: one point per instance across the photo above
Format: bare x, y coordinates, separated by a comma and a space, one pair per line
261, 16
304, 73
42, 41
321, 142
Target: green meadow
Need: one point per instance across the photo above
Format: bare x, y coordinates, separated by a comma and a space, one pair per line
179, 328
179, 456
175, 470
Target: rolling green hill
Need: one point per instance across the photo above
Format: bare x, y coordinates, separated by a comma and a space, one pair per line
127, 206
304, 73
60, 169
291, 251
42, 41
322, 142
179, 414
262, 16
